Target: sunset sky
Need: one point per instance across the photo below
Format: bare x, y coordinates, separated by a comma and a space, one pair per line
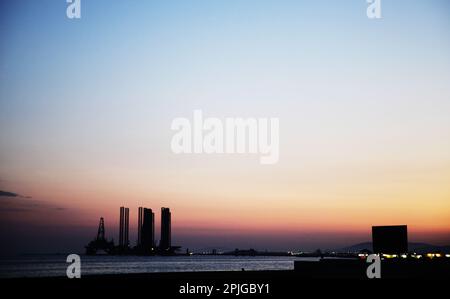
86, 108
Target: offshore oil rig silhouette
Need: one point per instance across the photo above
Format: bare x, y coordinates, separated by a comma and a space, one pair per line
100, 244
146, 235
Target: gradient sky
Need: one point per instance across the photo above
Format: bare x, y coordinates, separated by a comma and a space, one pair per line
86, 107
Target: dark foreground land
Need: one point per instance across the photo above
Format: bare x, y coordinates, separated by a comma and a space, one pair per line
310, 279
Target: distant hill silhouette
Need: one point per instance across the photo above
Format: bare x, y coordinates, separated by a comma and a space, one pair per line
416, 247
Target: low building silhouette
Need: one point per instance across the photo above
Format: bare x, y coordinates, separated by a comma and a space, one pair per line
391, 239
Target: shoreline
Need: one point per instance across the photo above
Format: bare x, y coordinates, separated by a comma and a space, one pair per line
219, 283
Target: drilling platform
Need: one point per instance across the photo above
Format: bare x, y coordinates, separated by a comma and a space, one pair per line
100, 245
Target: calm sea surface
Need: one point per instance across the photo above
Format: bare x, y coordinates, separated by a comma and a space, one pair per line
55, 265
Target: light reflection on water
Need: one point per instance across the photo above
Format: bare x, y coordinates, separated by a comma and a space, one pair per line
55, 265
